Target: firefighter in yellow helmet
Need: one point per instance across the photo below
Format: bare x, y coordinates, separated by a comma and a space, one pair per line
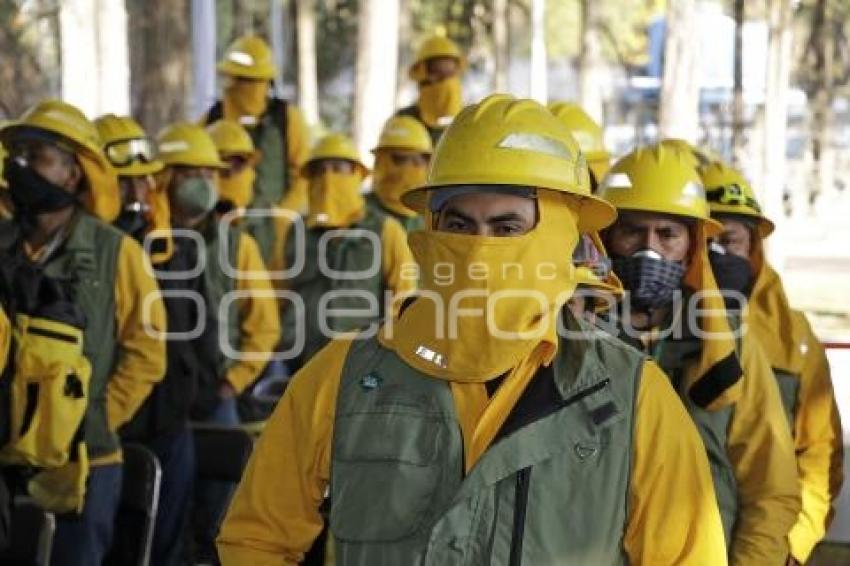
444, 440
240, 306
276, 127
401, 164
236, 149
590, 138
795, 354
344, 260
65, 191
673, 311
162, 423
437, 70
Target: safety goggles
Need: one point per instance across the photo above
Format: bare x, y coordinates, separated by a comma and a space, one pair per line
731, 195
124, 152
588, 255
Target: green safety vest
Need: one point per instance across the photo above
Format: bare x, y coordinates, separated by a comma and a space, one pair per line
553, 488
272, 181
789, 389
221, 252
86, 262
409, 223
351, 254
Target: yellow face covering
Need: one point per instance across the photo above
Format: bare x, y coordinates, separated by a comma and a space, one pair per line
771, 315
440, 102
715, 381
487, 302
392, 181
245, 98
334, 200
238, 188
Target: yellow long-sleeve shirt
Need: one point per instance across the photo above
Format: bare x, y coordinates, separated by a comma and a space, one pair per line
761, 452
274, 518
818, 442
140, 328
259, 320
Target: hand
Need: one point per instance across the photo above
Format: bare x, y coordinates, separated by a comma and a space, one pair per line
226, 391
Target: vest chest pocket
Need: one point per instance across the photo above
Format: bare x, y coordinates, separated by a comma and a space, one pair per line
385, 473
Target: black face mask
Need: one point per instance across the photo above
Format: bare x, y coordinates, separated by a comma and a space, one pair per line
732, 273
133, 221
650, 280
31, 193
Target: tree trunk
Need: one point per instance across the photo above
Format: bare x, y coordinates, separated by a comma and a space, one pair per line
539, 69
589, 62
501, 47
160, 61
738, 88
279, 35
203, 57
95, 73
377, 61
821, 118
308, 83
679, 107
772, 186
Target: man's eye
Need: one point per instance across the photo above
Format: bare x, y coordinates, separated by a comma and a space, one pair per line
507, 230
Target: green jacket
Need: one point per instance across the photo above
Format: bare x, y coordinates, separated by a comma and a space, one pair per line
351, 255
86, 262
409, 223
551, 489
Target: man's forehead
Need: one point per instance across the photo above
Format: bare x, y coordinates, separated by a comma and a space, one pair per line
650, 219
487, 203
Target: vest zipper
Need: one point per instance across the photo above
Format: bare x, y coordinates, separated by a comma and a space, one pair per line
523, 478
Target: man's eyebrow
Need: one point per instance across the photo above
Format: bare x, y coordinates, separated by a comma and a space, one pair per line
455, 212
506, 217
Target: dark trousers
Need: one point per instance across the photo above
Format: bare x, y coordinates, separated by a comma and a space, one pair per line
84, 539
176, 453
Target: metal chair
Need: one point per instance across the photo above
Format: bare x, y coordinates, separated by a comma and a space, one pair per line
136, 518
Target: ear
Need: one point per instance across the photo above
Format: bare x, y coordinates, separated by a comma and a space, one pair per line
74, 182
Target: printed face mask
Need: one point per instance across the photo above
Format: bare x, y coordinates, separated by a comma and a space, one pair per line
650, 280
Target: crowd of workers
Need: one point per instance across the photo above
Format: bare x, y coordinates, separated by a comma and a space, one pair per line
509, 351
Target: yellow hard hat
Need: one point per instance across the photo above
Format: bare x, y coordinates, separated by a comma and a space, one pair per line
336, 146
728, 192
64, 120
588, 134
71, 126
231, 138
658, 178
405, 132
249, 57
127, 146
700, 157
437, 45
503, 140
184, 143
